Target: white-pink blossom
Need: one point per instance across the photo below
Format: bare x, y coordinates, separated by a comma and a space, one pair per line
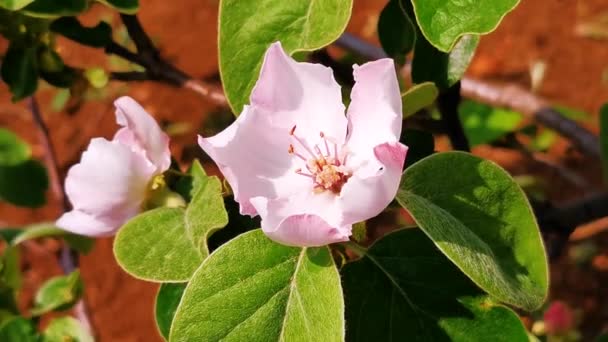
110, 184
294, 158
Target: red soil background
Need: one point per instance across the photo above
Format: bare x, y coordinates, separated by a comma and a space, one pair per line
538, 30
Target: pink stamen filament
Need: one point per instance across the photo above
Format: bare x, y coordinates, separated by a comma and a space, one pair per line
300, 141
325, 142
299, 171
292, 150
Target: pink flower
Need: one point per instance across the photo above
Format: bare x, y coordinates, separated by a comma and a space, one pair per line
295, 159
110, 183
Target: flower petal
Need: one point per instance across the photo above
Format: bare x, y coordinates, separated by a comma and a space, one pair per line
79, 222
375, 113
142, 133
369, 191
302, 94
290, 222
109, 181
252, 153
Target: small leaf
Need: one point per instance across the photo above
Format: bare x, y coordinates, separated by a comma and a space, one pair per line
54, 9
604, 139
396, 31
123, 6
19, 70
247, 28
189, 185
404, 289
167, 300
24, 184
443, 22
482, 221
66, 329
44, 230
10, 273
18, 329
418, 97
155, 246
444, 69
483, 124
206, 212
253, 289
58, 293
13, 150
13, 5
99, 35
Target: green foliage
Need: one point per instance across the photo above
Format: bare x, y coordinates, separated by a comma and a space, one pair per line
256, 290
404, 289
167, 300
481, 220
24, 184
13, 150
443, 22
54, 8
13, 5
484, 124
396, 31
123, 6
79, 243
58, 293
66, 329
19, 70
604, 139
99, 35
247, 28
18, 329
444, 69
418, 97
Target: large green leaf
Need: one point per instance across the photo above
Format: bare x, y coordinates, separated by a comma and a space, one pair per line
247, 28
155, 246
54, 8
18, 329
444, 21
481, 220
66, 329
58, 293
13, 5
483, 124
13, 150
252, 289
167, 300
19, 70
24, 184
396, 31
404, 289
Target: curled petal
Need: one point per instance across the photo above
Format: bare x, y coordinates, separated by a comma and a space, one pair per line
375, 113
142, 133
80, 222
253, 156
287, 222
371, 190
302, 94
109, 183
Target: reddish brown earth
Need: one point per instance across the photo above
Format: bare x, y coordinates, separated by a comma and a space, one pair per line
121, 307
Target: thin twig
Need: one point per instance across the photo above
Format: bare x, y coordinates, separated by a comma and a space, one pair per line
448, 102
68, 258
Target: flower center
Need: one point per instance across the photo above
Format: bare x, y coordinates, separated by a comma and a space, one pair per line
326, 170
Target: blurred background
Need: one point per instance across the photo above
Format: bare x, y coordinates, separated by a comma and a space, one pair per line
557, 49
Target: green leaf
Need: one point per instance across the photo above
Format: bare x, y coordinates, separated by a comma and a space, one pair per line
420, 145
24, 184
252, 289
99, 35
58, 293
444, 69
54, 8
418, 97
443, 22
167, 300
13, 5
484, 124
18, 329
481, 220
396, 31
604, 139
66, 329
19, 70
155, 246
79, 243
247, 28
123, 6
543, 140
206, 212
404, 289
13, 150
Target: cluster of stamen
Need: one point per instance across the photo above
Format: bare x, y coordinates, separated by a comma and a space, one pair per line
325, 169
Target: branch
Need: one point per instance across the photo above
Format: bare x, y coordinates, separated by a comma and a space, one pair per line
448, 102
510, 96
